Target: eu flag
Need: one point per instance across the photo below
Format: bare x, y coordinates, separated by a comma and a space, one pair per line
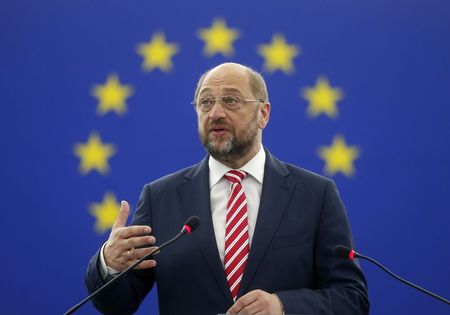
96, 101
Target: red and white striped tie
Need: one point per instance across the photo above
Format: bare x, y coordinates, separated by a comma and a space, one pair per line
236, 232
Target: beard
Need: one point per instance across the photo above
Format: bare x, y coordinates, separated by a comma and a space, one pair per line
233, 147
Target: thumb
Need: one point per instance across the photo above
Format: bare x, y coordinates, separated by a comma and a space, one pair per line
122, 216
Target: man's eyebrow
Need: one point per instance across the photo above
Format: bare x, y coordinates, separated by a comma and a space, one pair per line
204, 90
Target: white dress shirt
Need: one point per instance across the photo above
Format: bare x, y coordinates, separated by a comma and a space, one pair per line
219, 194
220, 190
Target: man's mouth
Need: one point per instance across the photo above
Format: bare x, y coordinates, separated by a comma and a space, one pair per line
218, 131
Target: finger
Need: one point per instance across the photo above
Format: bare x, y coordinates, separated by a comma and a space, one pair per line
252, 309
124, 247
122, 216
138, 253
134, 230
265, 303
146, 264
243, 302
247, 309
134, 254
140, 241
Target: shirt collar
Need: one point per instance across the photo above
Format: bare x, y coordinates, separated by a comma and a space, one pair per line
254, 167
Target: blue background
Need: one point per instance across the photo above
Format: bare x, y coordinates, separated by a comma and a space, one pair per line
391, 59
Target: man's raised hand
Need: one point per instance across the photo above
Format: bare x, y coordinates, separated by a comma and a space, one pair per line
123, 246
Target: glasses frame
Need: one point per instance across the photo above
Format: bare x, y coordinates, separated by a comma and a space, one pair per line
220, 99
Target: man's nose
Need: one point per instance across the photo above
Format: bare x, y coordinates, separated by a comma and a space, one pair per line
217, 111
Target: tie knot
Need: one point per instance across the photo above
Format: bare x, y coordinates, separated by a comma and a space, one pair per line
235, 176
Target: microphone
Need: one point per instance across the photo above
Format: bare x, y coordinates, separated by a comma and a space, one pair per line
345, 252
189, 226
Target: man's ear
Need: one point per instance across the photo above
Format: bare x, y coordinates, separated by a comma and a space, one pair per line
264, 114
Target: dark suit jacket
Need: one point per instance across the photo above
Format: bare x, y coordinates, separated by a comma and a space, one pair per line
301, 218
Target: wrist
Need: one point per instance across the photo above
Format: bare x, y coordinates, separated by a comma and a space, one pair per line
279, 301
104, 268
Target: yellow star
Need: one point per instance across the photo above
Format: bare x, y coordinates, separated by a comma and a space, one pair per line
105, 212
279, 54
218, 38
94, 154
112, 95
157, 53
339, 157
322, 98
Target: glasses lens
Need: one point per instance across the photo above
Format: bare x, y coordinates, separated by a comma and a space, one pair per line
206, 103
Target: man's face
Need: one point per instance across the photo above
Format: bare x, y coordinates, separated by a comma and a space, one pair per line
230, 135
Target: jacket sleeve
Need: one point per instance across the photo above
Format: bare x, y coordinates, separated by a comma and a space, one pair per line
340, 284
124, 296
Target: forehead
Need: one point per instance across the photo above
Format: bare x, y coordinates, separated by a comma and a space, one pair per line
225, 79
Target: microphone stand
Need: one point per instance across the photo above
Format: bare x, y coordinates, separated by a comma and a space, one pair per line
440, 298
109, 283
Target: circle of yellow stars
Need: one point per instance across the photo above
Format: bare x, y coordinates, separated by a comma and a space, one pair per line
218, 38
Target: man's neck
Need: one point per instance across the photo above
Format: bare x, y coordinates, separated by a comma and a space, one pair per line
238, 163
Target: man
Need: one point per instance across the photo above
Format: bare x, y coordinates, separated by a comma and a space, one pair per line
265, 244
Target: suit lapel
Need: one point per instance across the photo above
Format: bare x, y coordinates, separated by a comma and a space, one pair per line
274, 200
275, 196
195, 197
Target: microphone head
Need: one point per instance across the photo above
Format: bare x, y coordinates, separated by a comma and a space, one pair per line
344, 252
193, 223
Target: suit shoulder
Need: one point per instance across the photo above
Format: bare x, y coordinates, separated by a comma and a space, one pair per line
173, 179
310, 182
295, 175
302, 175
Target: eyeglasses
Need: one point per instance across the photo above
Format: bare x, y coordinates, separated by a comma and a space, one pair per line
229, 102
